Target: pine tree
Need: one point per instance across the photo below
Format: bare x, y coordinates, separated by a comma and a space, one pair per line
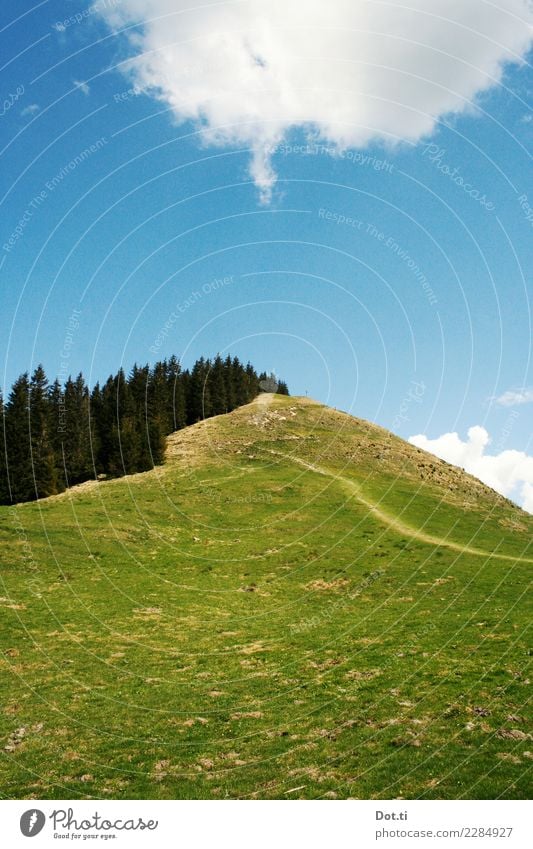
103, 407
230, 384
95, 440
184, 387
75, 432
239, 382
217, 387
199, 399
58, 425
56, 437
159, 398
4, 486
150, 403
176, 382
125, 439
138, 386
154, 452
18, 446
252, 383
42, 449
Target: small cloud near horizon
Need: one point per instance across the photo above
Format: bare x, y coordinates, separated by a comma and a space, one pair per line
515, 397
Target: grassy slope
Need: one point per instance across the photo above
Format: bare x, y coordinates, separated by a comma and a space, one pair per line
235, 624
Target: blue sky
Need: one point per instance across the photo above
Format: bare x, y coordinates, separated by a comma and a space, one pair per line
365, 274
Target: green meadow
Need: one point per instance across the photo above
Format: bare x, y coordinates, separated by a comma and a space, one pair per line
297, 604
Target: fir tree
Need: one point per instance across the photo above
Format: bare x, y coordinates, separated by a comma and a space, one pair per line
58, 424
252, 383
239, 383
160, 398
18, 448
217, 387
199, 399
42, 449
58, 436
4, 486
103, 413
230, 384
95, 418
176, 382
125, 439
149, 394
74, 430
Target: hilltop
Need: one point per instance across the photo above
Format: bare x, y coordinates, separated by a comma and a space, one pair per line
297, 604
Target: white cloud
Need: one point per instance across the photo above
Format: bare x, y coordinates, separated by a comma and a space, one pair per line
349, 71
527, 495
508, 472
515, 397
83, 86
31, 109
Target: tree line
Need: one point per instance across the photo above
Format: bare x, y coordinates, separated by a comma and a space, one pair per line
54, 436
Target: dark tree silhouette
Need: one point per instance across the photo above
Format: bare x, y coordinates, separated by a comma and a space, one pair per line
43, 458
73, 427
4, 488
53, 436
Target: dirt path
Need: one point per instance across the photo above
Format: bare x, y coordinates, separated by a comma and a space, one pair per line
393, 521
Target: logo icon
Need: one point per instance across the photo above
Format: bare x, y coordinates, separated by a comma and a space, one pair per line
32, 822
269, 383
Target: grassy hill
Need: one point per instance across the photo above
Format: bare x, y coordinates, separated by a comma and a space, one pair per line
296, 605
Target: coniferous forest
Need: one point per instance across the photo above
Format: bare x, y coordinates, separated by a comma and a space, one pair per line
55, 436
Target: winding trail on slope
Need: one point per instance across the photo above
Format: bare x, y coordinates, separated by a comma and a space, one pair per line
393, 521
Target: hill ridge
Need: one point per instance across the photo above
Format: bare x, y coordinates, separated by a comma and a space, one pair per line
241, 622
393, 521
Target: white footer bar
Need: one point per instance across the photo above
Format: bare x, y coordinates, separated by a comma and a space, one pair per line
267, 825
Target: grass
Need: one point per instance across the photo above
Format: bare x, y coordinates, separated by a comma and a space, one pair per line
236, 624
